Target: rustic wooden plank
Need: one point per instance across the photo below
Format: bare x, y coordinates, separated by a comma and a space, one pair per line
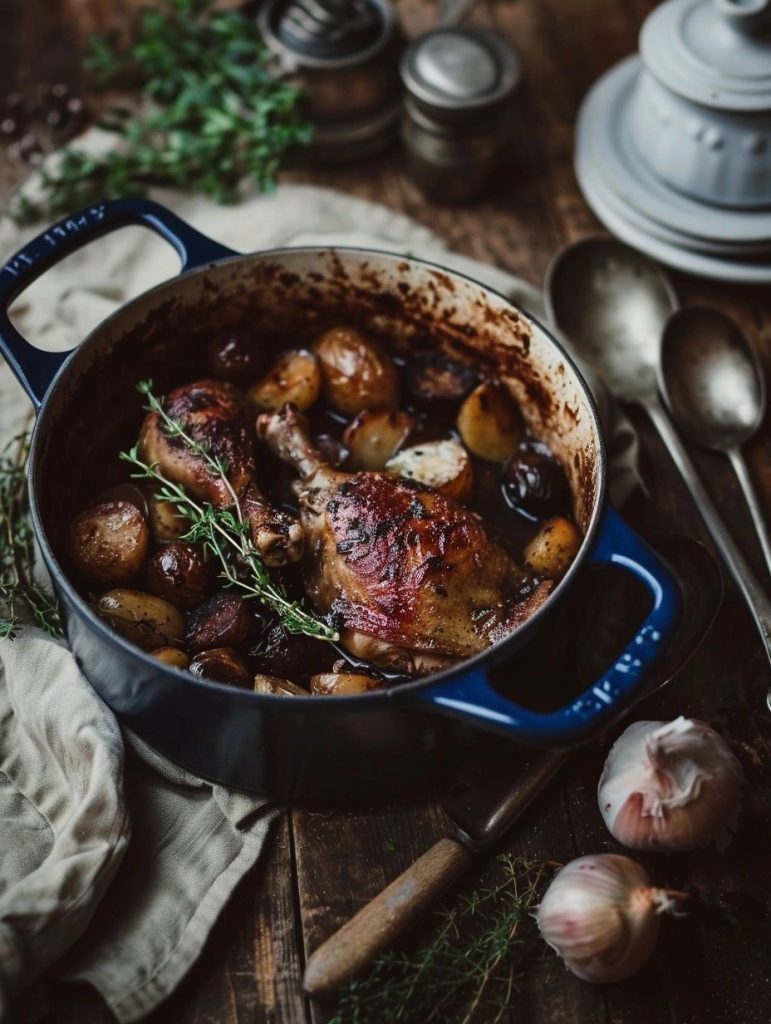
345, 858
710, 966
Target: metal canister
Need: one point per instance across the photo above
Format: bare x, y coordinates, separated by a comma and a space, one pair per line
459, 84
344, 54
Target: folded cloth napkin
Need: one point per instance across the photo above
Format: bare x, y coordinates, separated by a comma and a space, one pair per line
78, 897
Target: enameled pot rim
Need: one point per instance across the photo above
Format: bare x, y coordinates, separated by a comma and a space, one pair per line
492, 655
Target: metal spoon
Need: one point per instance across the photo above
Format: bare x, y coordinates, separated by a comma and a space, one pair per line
715, 390
613, 304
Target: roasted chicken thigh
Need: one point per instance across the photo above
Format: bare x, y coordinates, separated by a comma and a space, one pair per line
414, 579
212, 413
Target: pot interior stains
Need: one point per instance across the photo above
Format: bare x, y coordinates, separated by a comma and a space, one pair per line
288, 298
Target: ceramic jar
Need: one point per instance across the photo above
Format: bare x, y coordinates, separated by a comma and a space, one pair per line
700, 116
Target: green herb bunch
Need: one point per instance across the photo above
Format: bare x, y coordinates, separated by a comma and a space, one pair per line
223, 531
210, 115
469, 970
19, 591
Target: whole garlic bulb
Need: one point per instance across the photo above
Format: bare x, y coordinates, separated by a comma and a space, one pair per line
670, 786
602, 916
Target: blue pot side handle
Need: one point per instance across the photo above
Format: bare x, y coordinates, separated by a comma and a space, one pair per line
36, 369
472, 697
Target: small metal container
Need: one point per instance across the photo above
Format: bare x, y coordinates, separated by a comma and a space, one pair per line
344, 54
459, 83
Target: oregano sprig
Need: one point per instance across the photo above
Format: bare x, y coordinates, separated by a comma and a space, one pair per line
223, 531
210, 113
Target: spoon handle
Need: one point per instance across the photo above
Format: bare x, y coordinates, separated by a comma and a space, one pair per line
753, 593
751, 497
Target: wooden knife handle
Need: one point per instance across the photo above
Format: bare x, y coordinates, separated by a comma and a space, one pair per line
376, 927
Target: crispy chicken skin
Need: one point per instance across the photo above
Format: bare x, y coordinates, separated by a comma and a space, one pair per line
212, 413
414, 577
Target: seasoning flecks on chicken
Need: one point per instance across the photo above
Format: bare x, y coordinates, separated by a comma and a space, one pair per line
213, 414
413, 577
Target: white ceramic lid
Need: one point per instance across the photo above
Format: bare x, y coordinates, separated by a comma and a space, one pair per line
714, 242
714, 52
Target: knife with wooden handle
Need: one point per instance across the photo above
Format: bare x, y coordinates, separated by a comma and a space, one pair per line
484, 806
377, 926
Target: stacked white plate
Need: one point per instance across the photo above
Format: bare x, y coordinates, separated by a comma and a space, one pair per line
636, 202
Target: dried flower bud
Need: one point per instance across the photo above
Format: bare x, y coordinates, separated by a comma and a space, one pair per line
670, 786
602, 916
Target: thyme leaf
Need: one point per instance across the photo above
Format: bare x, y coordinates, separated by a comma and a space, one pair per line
19, 590
223, 531
209, 116
470, 968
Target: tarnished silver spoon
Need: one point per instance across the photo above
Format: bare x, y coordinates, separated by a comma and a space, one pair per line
613, 303
714, 388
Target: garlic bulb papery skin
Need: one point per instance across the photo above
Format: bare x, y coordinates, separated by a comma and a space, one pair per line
602, 916
670, 786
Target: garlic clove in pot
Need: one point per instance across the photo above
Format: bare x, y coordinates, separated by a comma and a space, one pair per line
670, 786
602, 916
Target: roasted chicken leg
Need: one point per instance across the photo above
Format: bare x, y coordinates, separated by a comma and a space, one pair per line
414, 578
212, 413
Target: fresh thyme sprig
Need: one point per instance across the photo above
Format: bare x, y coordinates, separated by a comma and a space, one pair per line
211, 114
469, 970
223, 531
18, 588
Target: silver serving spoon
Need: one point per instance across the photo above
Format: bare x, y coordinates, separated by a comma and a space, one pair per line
714, 388
613, 303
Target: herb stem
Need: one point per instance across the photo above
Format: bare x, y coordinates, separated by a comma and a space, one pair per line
18, 587
223, 530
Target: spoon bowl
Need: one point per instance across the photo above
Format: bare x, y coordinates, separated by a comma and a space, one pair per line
714, 386
612, 303
711, 378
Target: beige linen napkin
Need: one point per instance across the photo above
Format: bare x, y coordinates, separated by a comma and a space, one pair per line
131, 916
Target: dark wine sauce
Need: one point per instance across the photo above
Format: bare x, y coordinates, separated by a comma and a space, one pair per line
276, 652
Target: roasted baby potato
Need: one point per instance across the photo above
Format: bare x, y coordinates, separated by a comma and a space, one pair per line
172, 656
224, 620
294, 377
165, 523
223, 665
235, 355
343, 684
278, 687
108, 541
375, 435
181, 573
357, 373
145, 619
490, 423
444, 466
436, 379
553, 548
126, 492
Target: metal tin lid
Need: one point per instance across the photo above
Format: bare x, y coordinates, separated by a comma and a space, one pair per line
714, 52
462, 68
325, 33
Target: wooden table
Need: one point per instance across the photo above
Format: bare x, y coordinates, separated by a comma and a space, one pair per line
320, 868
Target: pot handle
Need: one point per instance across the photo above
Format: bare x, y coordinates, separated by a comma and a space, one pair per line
474, 698
36, 369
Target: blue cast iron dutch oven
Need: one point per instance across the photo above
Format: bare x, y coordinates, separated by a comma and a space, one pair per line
313, 748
